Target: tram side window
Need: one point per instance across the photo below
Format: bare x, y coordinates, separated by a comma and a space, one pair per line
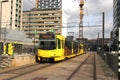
70, 45
80, 47
59, 46
63, 44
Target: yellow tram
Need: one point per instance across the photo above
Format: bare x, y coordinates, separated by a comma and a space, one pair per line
52, 47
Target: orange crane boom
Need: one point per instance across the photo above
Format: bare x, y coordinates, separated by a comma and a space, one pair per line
81, 19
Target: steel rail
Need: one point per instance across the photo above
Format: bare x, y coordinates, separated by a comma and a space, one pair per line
19, 72
94, 70
73, 73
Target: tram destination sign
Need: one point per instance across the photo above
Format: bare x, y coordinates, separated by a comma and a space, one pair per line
47, 36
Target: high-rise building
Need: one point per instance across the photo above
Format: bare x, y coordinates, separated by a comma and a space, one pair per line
12, 14
116, 33
49, 4
116, 23
116, 18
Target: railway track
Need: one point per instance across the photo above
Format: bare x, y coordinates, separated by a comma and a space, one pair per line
84, 67
14, 73
91, 60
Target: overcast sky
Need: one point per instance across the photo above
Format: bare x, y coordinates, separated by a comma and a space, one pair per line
92, 16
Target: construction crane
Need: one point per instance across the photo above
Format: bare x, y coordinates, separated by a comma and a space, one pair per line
81, 19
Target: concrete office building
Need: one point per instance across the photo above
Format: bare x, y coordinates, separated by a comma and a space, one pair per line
46, 16
12, 15
42, 22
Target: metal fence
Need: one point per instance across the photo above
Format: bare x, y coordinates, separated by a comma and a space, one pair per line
16, 48
111, 60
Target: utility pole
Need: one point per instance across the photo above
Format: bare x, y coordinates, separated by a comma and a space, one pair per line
103, 24
98, 41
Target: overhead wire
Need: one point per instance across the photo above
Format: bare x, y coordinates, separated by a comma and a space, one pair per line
98, 26
87, 14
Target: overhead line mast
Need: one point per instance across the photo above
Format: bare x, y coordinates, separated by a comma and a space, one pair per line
81, 19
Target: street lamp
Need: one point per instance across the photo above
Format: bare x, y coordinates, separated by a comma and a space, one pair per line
1, 14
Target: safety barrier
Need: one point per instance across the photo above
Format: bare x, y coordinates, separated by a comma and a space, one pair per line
22, 59
111, 60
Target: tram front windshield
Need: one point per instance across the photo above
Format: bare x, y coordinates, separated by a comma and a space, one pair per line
47, 45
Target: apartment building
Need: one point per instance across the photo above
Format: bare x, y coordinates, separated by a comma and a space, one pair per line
12, 14
42, 21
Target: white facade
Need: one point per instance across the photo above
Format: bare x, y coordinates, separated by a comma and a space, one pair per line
64, 24
12, 14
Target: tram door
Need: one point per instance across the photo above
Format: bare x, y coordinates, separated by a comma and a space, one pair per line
60, 47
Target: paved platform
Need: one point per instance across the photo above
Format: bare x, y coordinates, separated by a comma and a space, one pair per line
77, 68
